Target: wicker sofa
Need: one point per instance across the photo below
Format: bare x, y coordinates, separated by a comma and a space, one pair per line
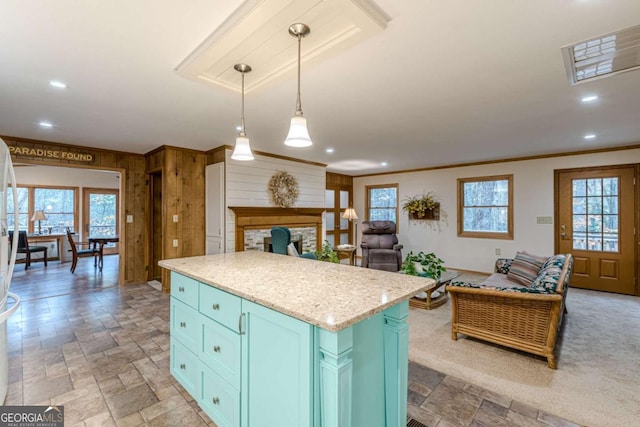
526, 318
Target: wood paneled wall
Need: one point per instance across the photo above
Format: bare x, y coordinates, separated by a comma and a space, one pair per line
183, 194
133, 195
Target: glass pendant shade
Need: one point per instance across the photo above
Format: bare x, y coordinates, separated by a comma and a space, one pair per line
298, 134
242, 150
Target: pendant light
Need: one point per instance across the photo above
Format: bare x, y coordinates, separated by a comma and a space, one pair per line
242, 150
298, 134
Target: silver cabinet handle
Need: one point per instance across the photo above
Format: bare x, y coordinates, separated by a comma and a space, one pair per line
216, 306
181, 289
216, 348
215, 401
183, 324
183, 366
240, 323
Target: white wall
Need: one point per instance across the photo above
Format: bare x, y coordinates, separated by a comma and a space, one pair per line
67, 177
533, 196
246, 185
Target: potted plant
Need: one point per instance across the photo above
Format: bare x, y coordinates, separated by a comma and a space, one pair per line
422, 207
421, 264
327, 253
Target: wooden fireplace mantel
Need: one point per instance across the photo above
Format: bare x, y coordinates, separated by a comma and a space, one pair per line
260, 217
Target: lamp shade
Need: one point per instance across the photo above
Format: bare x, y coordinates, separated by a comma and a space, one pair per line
38, 216
242, 150
350, 214
298, 134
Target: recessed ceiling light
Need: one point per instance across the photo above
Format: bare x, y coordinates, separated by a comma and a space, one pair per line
383, 164
329, 150
590, 136
45, 125
590, 98
56, 83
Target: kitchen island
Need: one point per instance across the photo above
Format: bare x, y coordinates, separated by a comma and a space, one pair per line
260, 339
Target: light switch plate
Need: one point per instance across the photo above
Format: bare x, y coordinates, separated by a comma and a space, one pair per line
544, 220
175, 243
175, 218
129, 218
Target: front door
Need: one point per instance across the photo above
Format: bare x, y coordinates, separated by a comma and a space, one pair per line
100, 215
596, 223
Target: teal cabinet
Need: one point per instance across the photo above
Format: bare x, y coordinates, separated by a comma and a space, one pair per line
250, 366
277, 369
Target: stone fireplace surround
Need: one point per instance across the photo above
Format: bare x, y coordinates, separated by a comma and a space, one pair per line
252, 224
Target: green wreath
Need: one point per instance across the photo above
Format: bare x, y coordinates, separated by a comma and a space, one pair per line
283, 189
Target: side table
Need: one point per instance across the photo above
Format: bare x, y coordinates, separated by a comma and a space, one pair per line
349, 251
429, 302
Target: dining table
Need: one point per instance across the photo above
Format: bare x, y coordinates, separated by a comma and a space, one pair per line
99, 242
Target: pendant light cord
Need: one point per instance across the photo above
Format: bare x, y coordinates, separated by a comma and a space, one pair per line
298, 102
242, 130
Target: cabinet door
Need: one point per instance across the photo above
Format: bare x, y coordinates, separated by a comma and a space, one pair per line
277, 369
185, 324
185, 367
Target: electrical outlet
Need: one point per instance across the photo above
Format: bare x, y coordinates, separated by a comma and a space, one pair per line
498, 251
175, 243
129, 218
544, 220
175, 218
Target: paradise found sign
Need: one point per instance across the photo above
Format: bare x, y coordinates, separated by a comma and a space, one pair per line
46, 153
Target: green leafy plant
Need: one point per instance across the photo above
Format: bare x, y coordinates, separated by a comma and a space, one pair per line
431, 265
327, 253
419, 206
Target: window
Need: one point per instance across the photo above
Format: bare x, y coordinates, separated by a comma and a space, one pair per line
23, 209
382, 202
58, 203
596, 216
485, 207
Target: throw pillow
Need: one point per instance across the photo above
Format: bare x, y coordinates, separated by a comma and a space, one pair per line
291, 250
525, 268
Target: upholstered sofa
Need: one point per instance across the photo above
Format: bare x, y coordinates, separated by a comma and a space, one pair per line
509, 313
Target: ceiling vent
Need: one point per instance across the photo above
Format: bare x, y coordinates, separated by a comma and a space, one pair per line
603, 56
257, 33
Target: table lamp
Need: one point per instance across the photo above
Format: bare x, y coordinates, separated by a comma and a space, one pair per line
39, 216
351, 215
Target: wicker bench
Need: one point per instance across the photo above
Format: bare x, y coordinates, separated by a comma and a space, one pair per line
523, 318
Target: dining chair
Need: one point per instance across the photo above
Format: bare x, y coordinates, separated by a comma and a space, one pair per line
25, 248
78, 252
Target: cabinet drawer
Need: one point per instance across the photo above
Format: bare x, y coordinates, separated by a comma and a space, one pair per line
219, 399
220, 306
185, 367
220, 350
185, 324
185, 289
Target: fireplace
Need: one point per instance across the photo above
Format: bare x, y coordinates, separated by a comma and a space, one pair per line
252, 225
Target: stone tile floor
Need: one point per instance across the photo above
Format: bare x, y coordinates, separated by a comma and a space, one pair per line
436, 399
102, 351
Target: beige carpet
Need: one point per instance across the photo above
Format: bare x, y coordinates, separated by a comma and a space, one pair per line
597, 382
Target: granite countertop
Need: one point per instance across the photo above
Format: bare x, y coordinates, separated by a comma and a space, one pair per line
331, 296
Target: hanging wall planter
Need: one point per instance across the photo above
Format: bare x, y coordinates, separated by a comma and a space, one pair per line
422, 207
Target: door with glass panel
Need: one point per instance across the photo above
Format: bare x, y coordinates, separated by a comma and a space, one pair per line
100, 215
596, 223
337, 227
